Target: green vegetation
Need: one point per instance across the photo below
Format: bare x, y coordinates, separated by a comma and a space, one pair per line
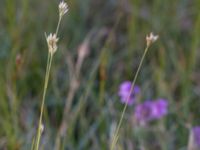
112, 34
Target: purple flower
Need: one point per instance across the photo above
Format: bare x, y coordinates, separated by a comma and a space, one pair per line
151, 110
159, 108
143, 112
196, 135
125, 93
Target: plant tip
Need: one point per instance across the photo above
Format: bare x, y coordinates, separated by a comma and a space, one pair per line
151, 38
63, 8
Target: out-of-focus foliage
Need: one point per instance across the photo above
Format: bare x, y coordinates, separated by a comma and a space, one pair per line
116, 30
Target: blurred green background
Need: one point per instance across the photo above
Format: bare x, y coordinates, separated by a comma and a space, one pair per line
115, 32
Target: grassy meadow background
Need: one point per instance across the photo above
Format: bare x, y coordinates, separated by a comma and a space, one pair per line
113, 32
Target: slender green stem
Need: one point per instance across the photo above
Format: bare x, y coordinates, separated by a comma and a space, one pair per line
49, 61
58, 25
116, 136
33, 143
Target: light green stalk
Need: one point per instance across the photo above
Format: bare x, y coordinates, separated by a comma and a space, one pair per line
39, 131
116, 136
48, 68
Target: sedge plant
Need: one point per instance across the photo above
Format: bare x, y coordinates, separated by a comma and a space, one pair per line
52, 40
149, 40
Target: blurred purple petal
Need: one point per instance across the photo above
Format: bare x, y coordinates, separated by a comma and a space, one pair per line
196, 134
159, 108
143, 112
151, 110
125, 93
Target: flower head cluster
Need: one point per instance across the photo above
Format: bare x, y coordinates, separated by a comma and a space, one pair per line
52, 43
63, 8
151, 110
125, 93
151, 38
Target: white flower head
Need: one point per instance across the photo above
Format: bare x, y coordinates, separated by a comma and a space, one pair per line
52, 43
63, 8
151, 38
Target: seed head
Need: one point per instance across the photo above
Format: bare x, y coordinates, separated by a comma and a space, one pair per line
63, 8
52, 43
83, 49
151, 39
